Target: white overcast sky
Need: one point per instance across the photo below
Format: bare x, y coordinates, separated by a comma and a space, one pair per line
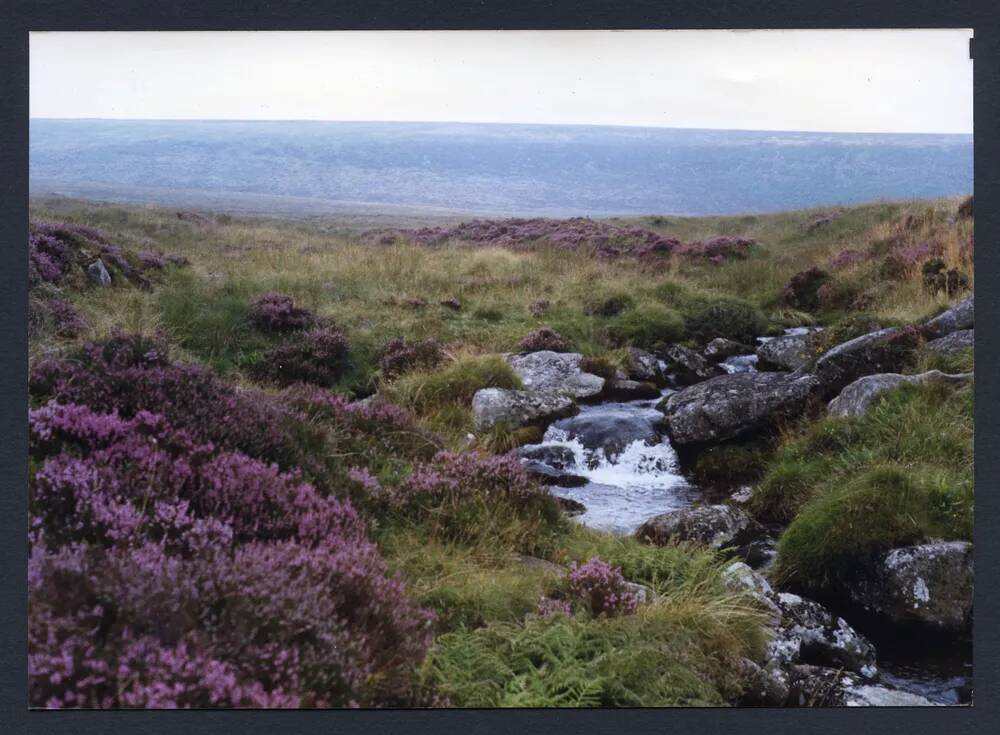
870, 81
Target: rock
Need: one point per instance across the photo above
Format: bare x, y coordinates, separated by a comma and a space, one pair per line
714, 526
817, 686
928, 585
729, 405
687, 366
533, 562
491, 406
643, 593
742, 495
950, 344
720, 348
548, 476
630, 390
739, 577
884, 351
570, 507
960, 316
608, 431
855, 399
644, 366
790, 352
823, 638
556, 457
762, 686
555, 372
97, 272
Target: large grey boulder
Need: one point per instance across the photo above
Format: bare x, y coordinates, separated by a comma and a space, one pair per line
555, 372
883, 351
687, 366
714, 526
492, 406
928, 585
819, 686
609, 431
790, 352
855, 399
554, 456
823, 637
960, 316
729, 405
950, 344
98, 274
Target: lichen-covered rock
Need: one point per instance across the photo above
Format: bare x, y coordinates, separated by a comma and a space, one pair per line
818, 686
492, 406
556, 457
789, 352
929, 585
729, 405
883, 351
855, 399
950, 344
714, 526
98, 274
825, 638
555, 372
687, 366
644, 366
720, 348
960, 316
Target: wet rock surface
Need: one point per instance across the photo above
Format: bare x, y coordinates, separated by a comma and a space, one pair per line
610, 433
730, 405
925, 585
856, 398
721, 348
686, 366
817, 686
644, 366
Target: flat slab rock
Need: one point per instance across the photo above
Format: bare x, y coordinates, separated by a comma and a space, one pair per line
928, 585
492, 406
817, 686
789, 352
714, 526
729, 405
883, 351
857, 397
555, 372
962, 339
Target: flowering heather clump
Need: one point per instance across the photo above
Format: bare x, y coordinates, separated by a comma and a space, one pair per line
846, 258
49, 259
215, 580
601, 588
537, 308
544, 339
902, 260
152, 260
68, 322
400, 356
720, 248
275, 312
800, 291
549, 607
318, 356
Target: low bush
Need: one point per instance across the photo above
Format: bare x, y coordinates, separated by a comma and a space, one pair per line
727, 318
646, 325
275, 312
801, 290
544, 338
318, 356
400, 357
601, 588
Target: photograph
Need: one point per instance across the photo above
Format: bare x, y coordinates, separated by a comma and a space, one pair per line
481, 369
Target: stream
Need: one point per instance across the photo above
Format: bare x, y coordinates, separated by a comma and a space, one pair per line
630, 481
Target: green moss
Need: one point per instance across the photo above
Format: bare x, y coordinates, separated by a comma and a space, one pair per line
453, 384
647, 325
728, 318
731, 462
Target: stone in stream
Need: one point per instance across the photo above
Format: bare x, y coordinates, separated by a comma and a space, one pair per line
789, 352
570, 507
929, 585
883, 351
555, 456
714, 526
630, 390
730, 405
555, 372
960, 316
687, 366
492, 406
644, 366
721, 348
608, 432
855, 399
818, 686
963, 339
549, 476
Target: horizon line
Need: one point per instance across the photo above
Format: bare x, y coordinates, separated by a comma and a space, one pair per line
478, 122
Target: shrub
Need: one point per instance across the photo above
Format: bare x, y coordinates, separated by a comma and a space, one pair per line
936, 279
607, 305
275, 312
647, 325
544, 339
318, 356
967, 208
601, 589
727, 318
801, 290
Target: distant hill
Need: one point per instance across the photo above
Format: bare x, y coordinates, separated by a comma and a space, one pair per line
490, 169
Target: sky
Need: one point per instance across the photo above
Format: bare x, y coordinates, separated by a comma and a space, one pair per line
913, 81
